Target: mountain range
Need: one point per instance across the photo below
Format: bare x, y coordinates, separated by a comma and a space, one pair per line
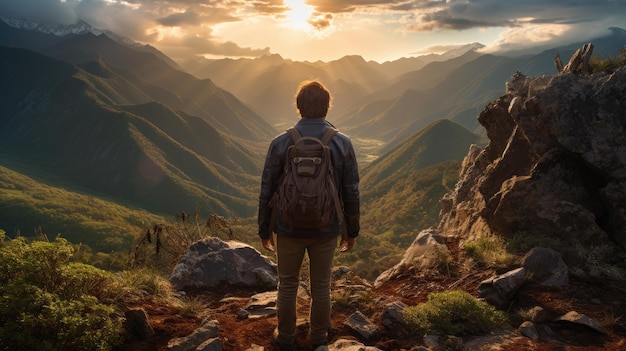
393, 100
94, 113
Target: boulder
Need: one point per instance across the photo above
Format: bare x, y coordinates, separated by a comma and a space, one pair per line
211, 263
425, 251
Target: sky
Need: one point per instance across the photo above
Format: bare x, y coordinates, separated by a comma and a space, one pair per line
326, 30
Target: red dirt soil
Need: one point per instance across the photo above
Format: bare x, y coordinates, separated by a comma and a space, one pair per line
240, 334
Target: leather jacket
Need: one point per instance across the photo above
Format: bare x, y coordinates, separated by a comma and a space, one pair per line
346, 176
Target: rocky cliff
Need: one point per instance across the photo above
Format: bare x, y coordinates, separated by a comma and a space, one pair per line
555, 167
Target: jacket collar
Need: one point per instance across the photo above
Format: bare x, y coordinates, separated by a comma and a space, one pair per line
313, 121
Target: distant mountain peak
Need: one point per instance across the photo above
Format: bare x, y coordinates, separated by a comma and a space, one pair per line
80, 27
461, 50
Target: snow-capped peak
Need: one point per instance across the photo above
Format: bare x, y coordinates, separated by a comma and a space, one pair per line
80, 27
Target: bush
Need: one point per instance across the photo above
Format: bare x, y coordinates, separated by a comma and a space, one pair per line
454, 313
50, 303
608, 64
491, 250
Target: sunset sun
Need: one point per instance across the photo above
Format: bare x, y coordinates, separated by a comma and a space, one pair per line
299, 14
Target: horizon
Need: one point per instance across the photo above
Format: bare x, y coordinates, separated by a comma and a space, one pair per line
317, 30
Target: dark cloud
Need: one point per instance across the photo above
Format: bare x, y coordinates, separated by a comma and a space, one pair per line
210, 46
332, 6
461, 15
321, 22
44, 11
180, 19
269, 7
137, 20
193, 18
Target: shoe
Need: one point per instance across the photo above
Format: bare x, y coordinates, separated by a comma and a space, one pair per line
320, 347
277, 345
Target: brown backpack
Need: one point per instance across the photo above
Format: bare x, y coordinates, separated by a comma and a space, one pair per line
307, 195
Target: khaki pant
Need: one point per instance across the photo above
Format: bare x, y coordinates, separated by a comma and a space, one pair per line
290, 252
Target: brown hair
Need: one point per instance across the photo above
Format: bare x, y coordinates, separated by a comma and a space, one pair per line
312, 100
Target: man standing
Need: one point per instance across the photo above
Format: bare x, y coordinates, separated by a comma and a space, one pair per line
312, 101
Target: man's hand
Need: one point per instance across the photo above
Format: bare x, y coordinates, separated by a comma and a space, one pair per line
268, 244
346, 244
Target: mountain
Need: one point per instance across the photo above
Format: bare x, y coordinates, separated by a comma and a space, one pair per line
400, 190
441, 141
268, 83
150, 73
393, 100
27, 34
456, 89
70, 125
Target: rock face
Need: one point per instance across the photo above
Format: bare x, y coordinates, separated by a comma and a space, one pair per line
555, 164
211, 263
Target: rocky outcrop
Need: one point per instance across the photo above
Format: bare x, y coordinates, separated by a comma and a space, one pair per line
555, 165
211, 263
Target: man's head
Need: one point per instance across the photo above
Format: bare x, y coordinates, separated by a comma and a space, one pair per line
312, 100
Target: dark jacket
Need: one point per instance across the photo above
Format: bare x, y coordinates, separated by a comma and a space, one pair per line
346, 174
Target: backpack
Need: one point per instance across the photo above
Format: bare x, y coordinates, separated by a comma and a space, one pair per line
307, 195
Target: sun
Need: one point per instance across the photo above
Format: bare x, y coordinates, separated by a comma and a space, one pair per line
299, 14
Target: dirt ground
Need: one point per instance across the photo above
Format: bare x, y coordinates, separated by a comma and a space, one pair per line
604, 302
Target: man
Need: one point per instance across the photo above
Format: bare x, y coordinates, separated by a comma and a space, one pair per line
312, 101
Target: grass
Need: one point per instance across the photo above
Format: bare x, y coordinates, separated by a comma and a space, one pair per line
490, 250
456, 313
608, 64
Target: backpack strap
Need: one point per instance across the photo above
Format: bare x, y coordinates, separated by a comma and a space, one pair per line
295, 135
328, 135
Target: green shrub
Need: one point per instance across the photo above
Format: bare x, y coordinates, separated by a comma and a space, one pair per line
48, 302
454, 313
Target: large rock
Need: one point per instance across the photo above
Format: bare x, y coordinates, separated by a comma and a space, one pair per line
555, 165
211, 263
427, 251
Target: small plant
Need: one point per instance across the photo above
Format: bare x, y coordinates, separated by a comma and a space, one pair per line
521, 242
148, 282
162, 245
454, 312
438, 257
608, 64
190, 307
490, 250
341, 299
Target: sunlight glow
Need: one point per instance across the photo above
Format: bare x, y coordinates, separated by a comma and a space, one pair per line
299, 14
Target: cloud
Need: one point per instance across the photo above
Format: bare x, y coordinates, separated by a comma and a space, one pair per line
442, 49
197, 45
213, 27
180, 19
321, 22
464, 14
268, 7
44, 11
166, 24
